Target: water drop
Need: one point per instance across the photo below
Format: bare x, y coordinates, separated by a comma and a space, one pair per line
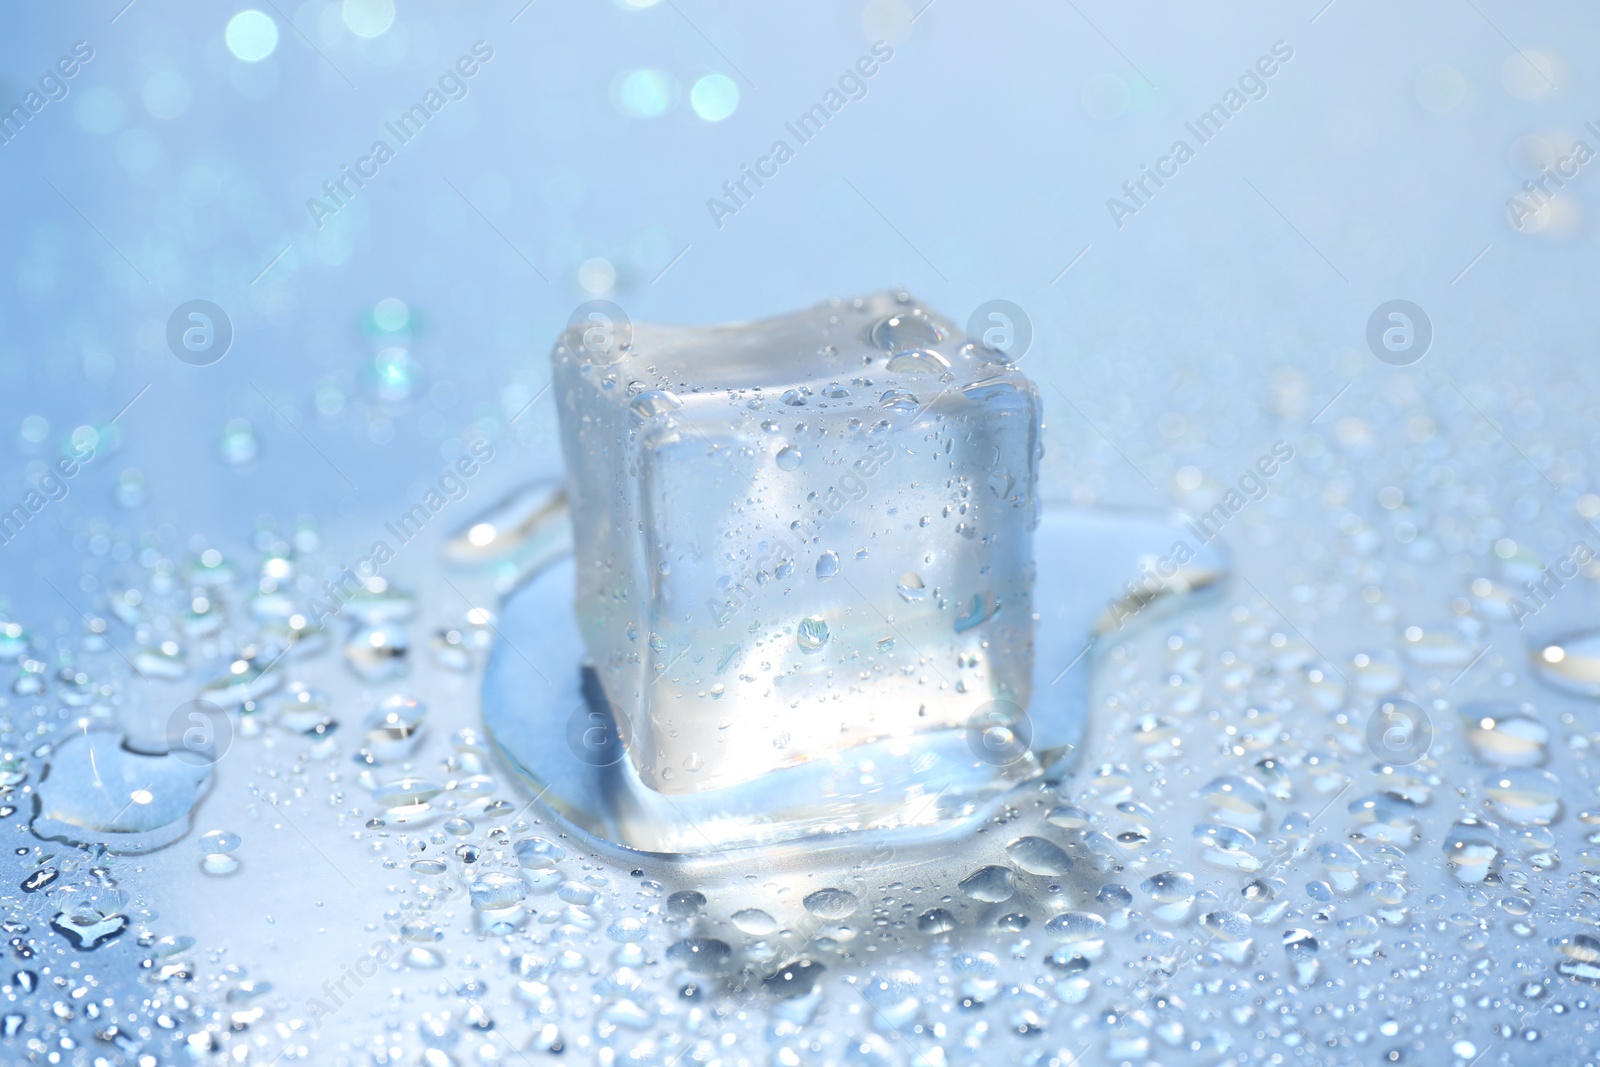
812, 633
908, 330
1505, 735
1038, 856
98, 791
918, 361
831, 904
991, 885
899, 401
652, 404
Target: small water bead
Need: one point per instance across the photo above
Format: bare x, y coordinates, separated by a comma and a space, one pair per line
894, 998
827, 565
812, 633
918, 361
686, 903
1386, 817
458, 827
1237, 798
991, 885
989, 388
1375, 678
1580, 957
304, 711
1229, 846
753, 921
219, 841
406, 800
900, 402
788, 458
936, 921
1036, 855
1570, 663
831, 904
395, 728
1450, 644
165, 661
700, 955
497, 890
794, 980
1471, 846
1068, 817
1172, 893
1505, 735
908, 330
1342, 864
378, 653
468, 853
1300, 946
1084, 932
652, 404
249, 677
910, 587
429, 867
980, 610
1232, 931
1525, 796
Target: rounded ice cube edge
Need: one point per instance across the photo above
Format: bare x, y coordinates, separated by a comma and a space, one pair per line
1088, 558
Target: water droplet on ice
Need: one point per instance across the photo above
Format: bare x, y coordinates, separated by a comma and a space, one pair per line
651, 404
812, 633
979, 611
918, 361
900, 402
911, 329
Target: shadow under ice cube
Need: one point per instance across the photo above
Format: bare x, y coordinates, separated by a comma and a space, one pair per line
804, 564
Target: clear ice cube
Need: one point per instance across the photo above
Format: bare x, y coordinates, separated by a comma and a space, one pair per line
803, 545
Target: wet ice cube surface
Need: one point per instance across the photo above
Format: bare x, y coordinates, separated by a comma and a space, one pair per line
798, 535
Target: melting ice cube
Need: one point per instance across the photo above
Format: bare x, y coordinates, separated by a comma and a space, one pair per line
799, 537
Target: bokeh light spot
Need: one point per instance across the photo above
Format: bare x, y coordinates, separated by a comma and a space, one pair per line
714, 97
166, 94
368, 18
645, 94
1441, 87
1105, 96
391, 314
251, 35
597, 275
